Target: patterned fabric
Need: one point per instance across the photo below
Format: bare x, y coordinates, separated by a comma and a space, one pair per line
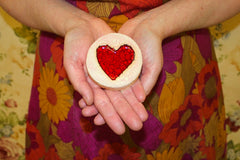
186, 109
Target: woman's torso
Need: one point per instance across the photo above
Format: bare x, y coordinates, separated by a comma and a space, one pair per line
186, 111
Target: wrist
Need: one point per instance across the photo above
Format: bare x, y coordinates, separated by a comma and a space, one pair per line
66, 18
163, 21
75, 21
86, 22
177, 16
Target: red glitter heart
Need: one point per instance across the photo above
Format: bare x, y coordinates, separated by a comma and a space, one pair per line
114, 62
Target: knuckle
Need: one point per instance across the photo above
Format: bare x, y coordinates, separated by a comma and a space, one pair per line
102, 103
116, 99
127, 92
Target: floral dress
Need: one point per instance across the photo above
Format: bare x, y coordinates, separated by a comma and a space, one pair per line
186, 109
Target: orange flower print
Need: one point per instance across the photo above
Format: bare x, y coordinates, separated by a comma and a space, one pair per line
54, 96
82, 5
117, 151
172, 97
208, 151
130, 8
184, 121
115, 22
52, 154
209, 88
79, 156
171, 154
35, 147
57, 54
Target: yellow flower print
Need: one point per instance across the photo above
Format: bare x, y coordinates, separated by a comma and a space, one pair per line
54, 97
171, 98
115, 22
172, 154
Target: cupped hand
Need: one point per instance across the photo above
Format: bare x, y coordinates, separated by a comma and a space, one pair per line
77, 41
138, 29
150, 43
113, 107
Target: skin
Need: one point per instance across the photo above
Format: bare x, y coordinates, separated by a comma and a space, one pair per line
149, 29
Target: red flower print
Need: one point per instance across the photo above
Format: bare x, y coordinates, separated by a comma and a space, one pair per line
116, 150
209, 151
86, 125
82, 5
10, 103
79, 156
52, 154
232, 125
36, 148
130, 8
57, 53
184, 121
209, 88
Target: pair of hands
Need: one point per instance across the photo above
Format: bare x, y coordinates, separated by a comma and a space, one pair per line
113, 107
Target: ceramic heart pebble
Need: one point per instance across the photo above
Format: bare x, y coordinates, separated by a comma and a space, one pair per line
114, 61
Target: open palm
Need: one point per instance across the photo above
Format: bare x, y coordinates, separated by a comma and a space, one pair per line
150, 44
113, 107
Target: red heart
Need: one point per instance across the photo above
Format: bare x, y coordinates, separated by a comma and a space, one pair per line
114, 62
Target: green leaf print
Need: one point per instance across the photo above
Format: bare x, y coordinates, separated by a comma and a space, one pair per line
27, 36
3, 117
13, 119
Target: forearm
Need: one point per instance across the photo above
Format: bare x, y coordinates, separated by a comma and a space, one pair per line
55, 16
182, 15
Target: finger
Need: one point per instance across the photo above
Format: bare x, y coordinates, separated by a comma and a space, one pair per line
99, 120
135, 104
106, 109
89, 111
152, 66
139, 91
124, 110
75, 50
147, 81
82, 103
77, 78
149, 77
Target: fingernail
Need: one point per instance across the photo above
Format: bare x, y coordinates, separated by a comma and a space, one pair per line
144, 117
142, 98
88, 101
82, 103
